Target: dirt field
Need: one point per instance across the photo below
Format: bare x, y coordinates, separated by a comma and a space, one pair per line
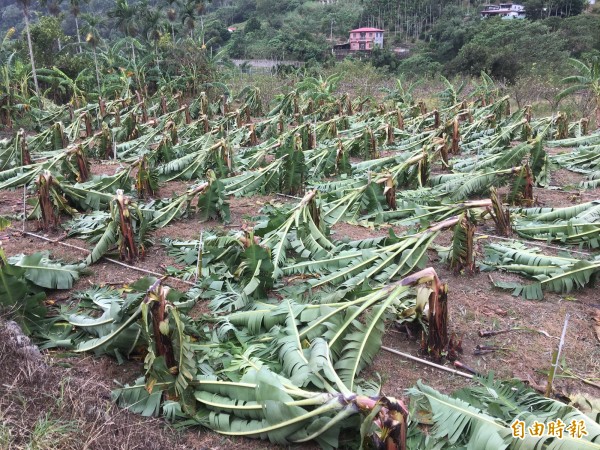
61, 400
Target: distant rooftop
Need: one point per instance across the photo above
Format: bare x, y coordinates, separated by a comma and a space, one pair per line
366, 29
503, 7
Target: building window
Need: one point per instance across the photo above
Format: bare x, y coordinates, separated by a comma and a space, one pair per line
361, 46
362, 35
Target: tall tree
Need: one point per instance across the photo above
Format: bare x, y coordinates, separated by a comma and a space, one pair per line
542, 9
93, 39
75, 11
191, 10
25, 5
126, 21
153, 28
53, 7
171, 12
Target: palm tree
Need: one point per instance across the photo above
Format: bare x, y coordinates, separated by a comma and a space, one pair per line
172, 15
191, 9
126, 20
25, 4
75, 11
587, 80
153, 28
93, 39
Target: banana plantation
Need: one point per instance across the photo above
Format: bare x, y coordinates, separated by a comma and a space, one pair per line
280, 249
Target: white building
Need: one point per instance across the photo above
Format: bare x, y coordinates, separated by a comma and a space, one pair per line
504, 10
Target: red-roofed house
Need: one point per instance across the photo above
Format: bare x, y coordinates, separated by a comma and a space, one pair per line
366, 39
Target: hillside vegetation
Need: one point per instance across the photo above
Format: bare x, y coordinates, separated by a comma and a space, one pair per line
445, 38
378, 254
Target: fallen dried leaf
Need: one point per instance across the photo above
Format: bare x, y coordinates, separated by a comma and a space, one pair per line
596, 323
492, 310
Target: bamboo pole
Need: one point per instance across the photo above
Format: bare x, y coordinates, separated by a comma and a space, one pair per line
428, 363
556, 357
199, 263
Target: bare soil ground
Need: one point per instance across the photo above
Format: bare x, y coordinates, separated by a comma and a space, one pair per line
64, 400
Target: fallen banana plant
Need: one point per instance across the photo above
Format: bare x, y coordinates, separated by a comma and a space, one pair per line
462, 253
485, 416
461, 186
234, 263
262, 180
216, 157
302, 230
592, 181
355, 263
211, 203
552, 273
376, 195
263, 403
410, 212
578, 224
582, 160
295, 393
499, 214
146, 178
23, 279
14, 152
50, 202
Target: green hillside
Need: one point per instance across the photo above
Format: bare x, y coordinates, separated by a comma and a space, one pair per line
443, 37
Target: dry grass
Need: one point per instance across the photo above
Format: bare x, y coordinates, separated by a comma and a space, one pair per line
45, 406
